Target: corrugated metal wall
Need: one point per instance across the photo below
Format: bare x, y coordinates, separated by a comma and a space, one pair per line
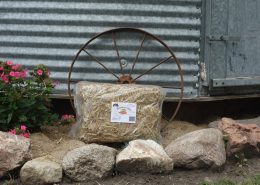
51, 32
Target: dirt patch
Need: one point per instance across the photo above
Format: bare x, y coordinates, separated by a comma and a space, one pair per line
56, 132
41, 145
54, 142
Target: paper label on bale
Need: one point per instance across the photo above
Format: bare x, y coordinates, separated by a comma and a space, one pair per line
123, 112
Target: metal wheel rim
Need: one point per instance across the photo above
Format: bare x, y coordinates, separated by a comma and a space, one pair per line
112, 31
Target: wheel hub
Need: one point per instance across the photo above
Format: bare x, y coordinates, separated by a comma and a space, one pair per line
125, 79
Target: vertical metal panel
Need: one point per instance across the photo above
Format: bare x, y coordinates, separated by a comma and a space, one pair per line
232, 46
51, 32
217, 14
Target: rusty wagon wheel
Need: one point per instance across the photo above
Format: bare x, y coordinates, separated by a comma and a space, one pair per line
129, 78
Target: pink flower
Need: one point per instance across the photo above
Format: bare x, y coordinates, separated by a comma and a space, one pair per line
9, 63
12, 74
17, 66
17, 75
65, 116
1, 68
12, 132
4, 78
23, 74
23, 127
39, 72
26, 135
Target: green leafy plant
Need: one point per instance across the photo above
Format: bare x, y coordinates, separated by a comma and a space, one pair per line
24, 100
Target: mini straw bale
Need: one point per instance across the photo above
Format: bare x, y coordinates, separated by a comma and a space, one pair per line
93, 105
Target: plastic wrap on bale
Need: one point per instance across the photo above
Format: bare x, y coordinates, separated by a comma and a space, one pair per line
93, 107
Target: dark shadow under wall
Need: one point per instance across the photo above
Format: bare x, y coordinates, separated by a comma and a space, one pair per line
62, 106
205, 112
195, 112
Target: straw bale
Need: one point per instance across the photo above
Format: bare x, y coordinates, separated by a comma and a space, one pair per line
93, 103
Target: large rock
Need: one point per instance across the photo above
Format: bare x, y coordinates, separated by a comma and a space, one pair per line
144, 156
198, 149
241, 137
41, 171
256, 121
14, 152
89, 162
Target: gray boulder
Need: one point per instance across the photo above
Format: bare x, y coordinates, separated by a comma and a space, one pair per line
89, 162
41, 171
198, 149
144, 156
14, 152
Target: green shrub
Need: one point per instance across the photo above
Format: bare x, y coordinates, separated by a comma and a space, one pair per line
24, 101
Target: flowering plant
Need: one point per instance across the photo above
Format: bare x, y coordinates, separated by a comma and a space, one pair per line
22, 131
67, 119
11, 73
22, 99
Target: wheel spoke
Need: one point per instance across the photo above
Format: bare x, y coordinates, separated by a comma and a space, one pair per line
117, 52
100, 63
136, 58
165, 60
